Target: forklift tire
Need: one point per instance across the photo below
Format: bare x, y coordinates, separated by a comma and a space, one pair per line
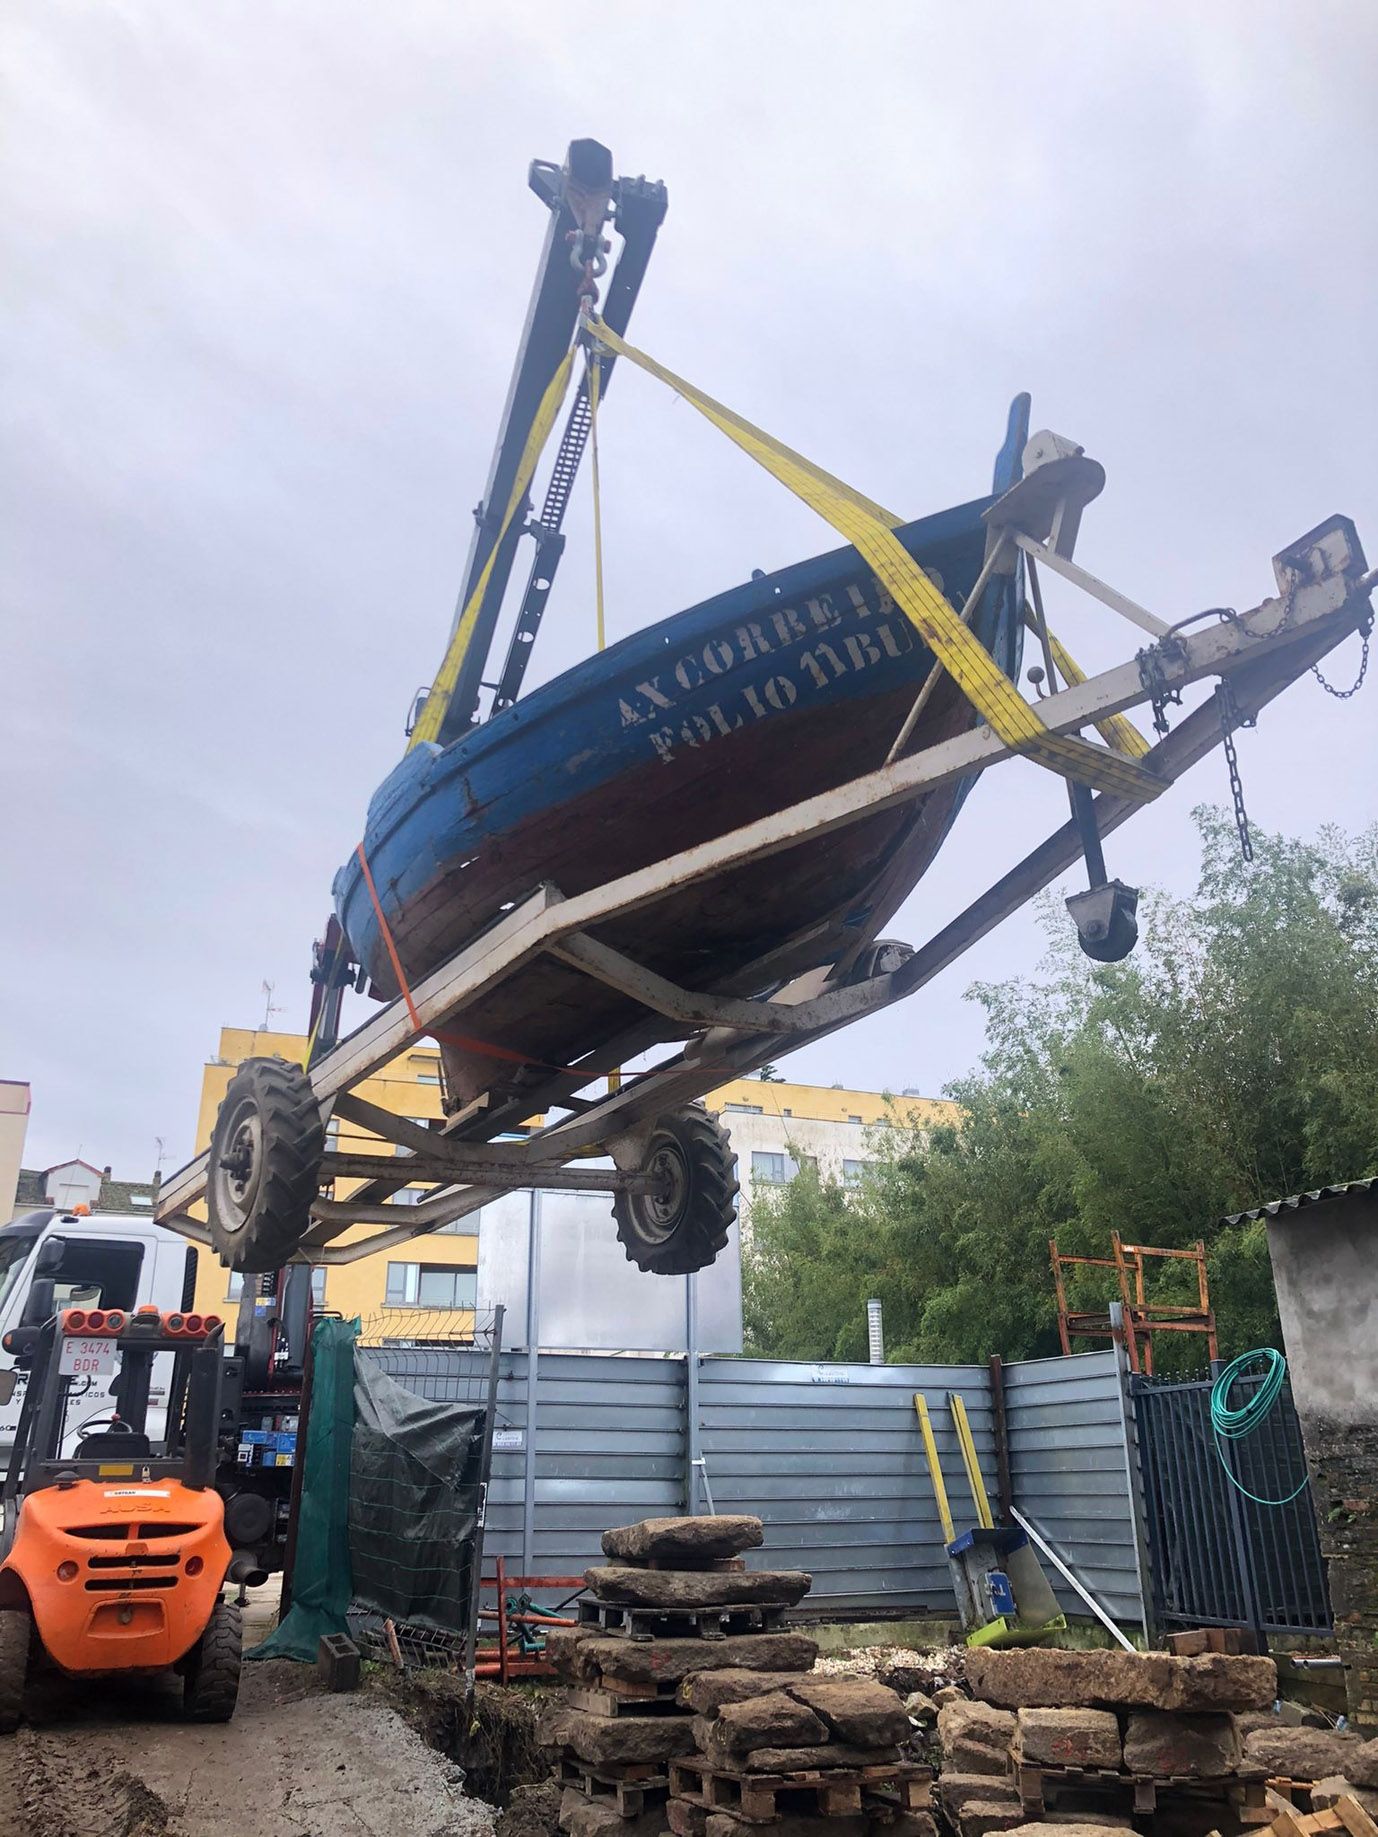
210, 1683
684, 1226
16, 1632
264, 1165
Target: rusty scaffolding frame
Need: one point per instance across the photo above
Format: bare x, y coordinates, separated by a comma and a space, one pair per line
1141, 1316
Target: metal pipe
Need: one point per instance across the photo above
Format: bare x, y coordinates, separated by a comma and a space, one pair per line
1060, 1564
533, 1342
875, 1333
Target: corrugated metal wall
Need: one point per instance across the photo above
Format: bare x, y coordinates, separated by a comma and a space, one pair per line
1070, 1476
829, 1456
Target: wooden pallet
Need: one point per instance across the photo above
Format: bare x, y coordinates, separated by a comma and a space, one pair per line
1040, 1787
1346, 1818
643, 1623
611, 1703
631, 1787
832, 1792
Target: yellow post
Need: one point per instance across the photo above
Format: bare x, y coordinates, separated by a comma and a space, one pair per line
967, 1443
930, 1448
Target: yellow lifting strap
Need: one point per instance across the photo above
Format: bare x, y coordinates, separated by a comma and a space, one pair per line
433, 713
871, 532
1115, 730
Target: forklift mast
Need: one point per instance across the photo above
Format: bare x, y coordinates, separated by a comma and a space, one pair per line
580, 196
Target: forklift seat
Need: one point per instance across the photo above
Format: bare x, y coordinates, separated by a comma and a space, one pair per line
113, 1444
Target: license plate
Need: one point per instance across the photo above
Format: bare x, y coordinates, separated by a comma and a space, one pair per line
88, 1358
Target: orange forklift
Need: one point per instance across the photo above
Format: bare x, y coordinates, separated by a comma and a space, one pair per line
113, 1553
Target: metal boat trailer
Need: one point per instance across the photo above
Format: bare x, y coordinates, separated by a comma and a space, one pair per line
1323, 595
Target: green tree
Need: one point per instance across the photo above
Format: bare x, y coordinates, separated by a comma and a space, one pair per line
1232, 1060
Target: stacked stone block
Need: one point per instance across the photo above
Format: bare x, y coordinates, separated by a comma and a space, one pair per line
1133, 1732
718, 1736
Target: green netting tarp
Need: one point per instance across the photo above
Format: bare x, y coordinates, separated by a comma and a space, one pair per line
415, 1490
321, 1585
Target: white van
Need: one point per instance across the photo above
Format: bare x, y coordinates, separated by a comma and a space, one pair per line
106, 1260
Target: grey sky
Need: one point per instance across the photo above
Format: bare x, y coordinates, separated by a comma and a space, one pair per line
264, 268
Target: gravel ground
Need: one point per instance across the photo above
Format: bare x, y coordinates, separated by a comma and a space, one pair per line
294, 1762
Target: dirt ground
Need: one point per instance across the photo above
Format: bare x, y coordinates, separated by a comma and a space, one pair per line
294, 1762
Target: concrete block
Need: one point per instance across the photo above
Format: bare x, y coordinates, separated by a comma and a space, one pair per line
600, 1740
957, 1790
1161, 1742
689, 1588
706, 1692
975, 1737
1067, 1737
684, 1540
772, 1721
1305, 1754
1038, 1677
855, 1710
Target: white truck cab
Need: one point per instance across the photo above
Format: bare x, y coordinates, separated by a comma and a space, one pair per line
106, 1260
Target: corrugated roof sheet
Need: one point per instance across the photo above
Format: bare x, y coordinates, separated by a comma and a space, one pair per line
1298, 1200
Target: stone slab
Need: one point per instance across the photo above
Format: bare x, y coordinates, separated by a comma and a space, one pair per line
1162, 1742
1303, 1754
723, 1824
1073, 1827
957, 1790
586, 1657
685, 1539
581, 1816
1040, 1677
855, 1710
1325, 1792
982, 1816
600, 1740
975, 1737
687, 1588
706, 1692
1362, 1765
774, 1720
1067, 1737
836, 1754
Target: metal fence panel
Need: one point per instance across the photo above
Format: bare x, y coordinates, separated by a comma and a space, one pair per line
1070, 1475
831, 1458
829, 1455
1220, 1557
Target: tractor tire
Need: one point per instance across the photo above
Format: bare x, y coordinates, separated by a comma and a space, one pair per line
16, 1632
264, 1165
683, 1228
210, 1681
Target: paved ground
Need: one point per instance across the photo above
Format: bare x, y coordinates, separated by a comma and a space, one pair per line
294, 1762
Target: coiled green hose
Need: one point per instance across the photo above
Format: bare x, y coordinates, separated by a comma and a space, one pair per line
1230, 1425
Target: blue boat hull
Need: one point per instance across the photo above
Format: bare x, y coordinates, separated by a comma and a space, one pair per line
762, 696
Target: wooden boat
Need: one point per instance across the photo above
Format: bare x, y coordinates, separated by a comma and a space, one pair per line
751, 701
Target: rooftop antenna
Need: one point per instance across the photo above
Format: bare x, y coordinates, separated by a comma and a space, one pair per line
270, 1008
162, 1156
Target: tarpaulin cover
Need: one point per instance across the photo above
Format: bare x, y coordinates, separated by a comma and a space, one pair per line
413, 1501
320, 1570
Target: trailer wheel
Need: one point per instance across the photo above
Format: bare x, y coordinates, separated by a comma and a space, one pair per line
264, 1171
684, 1225
210, 1684
16, 1631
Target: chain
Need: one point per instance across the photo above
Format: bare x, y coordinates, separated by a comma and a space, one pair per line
1343, 695
1153, 676
1230, 718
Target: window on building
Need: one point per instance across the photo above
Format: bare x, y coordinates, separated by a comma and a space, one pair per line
851, 1172
411, 1196
431, 1285
428, 1077
772, 1169
853, 1119
745, 1109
